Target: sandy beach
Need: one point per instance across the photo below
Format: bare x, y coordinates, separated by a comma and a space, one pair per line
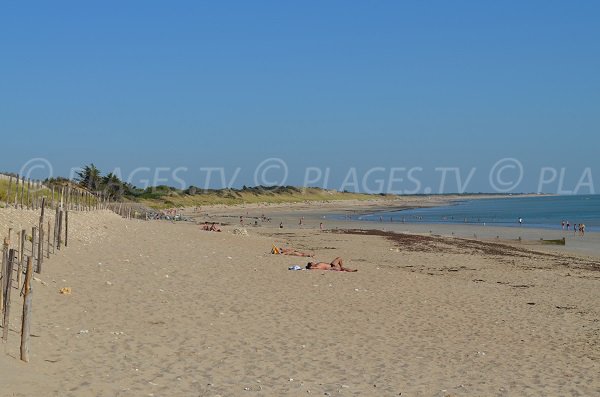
160, 308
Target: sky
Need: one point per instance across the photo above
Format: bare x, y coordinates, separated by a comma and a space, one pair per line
371, 96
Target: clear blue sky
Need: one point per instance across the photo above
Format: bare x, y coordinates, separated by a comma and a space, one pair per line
334, 84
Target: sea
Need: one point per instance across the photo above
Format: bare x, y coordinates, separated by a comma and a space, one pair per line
533, 211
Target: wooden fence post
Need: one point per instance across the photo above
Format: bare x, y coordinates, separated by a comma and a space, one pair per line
33, 237
16, 190
26, 322
60, 225
48, 242
22, 190
9, 277
68, 197
35, 195
3, 276
55, 233
40, 258
43, 210
41, 239
21, 254
66, 228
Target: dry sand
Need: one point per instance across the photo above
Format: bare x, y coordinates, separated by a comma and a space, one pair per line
164, 309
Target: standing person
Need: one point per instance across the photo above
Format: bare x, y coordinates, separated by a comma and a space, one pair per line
575, 228
520, 221
300, 223
568, 225
563, 225
321, 226
582, 229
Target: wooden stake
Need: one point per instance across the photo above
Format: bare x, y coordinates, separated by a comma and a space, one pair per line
22, 191
40, 258
3, 275
9, 277
35, 195
26, 322
55, 234
33, 237
41, 239
43, 210
48, 242
21, 254
16, 190
66, 228
60, 224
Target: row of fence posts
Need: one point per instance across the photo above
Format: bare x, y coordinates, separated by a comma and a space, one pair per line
45, 239
124, 210
68, 197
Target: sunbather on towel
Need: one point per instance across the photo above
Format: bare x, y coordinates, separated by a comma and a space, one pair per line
289, 251
336, 265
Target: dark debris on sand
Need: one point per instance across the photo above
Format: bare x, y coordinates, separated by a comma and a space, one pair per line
422, 243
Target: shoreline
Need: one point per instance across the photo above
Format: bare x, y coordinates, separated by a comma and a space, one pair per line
314, 214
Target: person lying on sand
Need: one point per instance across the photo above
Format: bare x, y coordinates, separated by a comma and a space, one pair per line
210, 228
289, 251
336, 265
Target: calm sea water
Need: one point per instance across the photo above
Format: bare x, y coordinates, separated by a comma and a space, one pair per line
543, 211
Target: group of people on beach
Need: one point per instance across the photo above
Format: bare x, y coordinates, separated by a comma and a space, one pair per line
210, 227
335, 265
566, 225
